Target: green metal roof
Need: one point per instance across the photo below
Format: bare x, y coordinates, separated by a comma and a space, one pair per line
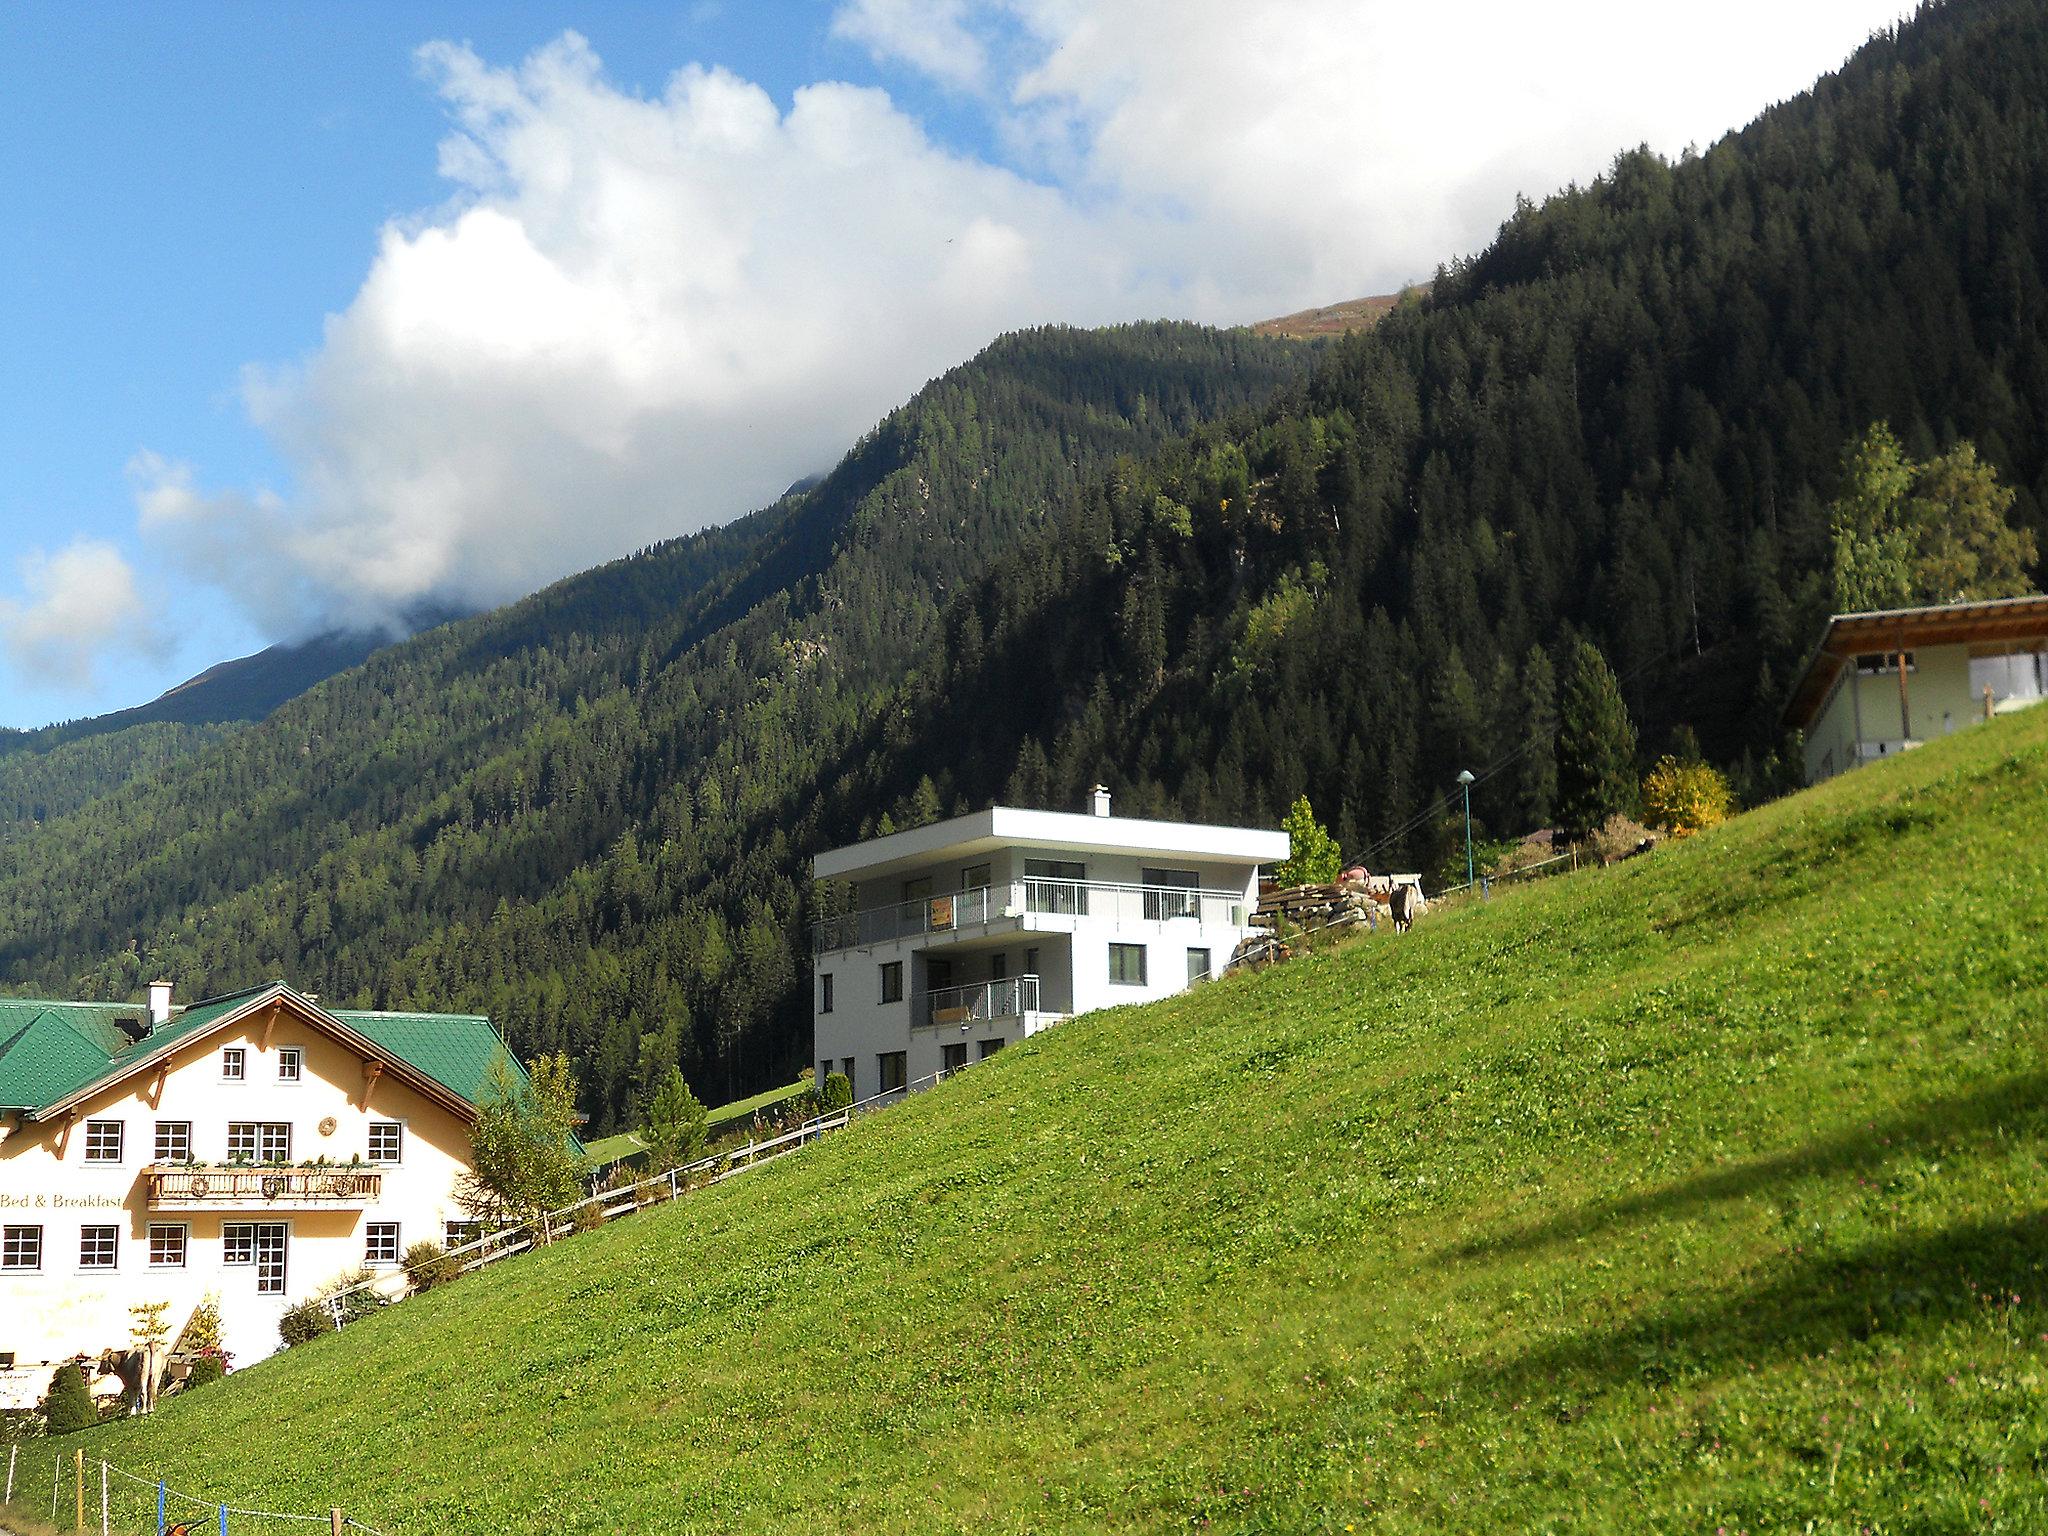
49, 1050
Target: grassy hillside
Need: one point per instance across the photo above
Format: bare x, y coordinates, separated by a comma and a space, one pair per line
1701, 1193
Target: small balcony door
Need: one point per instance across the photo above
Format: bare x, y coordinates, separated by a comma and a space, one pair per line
273, 1243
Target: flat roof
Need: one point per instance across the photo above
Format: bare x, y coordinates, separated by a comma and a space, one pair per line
1985, 622
1003, 826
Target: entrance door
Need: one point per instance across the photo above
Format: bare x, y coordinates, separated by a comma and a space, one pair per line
272, 1240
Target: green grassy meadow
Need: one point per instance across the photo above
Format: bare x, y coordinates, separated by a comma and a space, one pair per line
1700, 1194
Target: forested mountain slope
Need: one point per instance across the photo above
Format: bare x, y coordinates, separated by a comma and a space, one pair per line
471, 811
1697, 1194
1624, 418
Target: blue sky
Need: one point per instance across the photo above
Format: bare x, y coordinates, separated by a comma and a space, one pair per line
272, 358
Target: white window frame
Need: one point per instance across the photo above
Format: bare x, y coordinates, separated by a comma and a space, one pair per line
113, 1232
157, 1147
15, 1241
119, 1128
260, 1153
370, 1143
372, 1230
1144, 965
458, 1234
238, 1250
184, 1243
234, 1064
290, 1056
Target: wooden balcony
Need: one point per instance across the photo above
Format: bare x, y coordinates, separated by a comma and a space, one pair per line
261, 1189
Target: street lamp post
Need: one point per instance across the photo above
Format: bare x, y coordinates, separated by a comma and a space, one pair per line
1466, 781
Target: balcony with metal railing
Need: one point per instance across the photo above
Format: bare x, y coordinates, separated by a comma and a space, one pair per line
1032, 903
1007, 998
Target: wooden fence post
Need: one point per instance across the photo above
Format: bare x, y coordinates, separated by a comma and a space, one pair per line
334, 1521
78, 1466
12, 1452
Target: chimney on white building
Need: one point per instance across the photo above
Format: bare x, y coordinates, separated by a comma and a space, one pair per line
1098, 800
159, 1004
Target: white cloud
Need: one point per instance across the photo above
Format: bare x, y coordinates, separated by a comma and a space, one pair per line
78, 605
930, 35
636, 316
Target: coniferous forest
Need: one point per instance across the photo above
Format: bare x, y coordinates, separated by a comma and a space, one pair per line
1213, 570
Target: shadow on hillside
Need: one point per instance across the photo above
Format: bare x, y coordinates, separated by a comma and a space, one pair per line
2014, 1105
1900, 1286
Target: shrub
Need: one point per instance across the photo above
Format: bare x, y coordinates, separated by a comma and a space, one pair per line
206, 1370
357, 1304
69, 1407
428, 1264
588, 1218
305, 1323
838, 1092
1685, 797
1617, 837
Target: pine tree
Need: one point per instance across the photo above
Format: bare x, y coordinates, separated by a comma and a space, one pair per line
1596, 745
1537, 774
675, 1124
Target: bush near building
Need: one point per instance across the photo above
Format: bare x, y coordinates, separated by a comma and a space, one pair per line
1686, 797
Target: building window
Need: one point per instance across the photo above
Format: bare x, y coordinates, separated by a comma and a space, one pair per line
233, 1064
1177, 900
380, 1244
21, 1247
892, 982
1054, 885
918, 889
975, 877
825, 993
988, 1048
387, 1141
238, 1243
938, 975
846, 1066
1031, 962
1127, 965
458, 1234
99, 1247
267, 1142
289, 1060
1886, 665
103, 1141
998, 967
1198, 966
167, 1244
174, 1141
824, 1071
956, 1056
891, 1064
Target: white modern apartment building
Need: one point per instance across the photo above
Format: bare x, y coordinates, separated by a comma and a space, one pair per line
968, 934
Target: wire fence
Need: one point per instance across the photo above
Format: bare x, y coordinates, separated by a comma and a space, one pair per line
50, 1481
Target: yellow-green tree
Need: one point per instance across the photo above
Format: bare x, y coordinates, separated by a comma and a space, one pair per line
1312, 854
1685, 797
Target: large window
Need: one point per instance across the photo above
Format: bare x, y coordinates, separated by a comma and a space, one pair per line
1198, 966
21, 1247
238, 1243
387, 1141
938, 975
380, 1242
892, 982
1055, 886
103, 1141
955, 1056
167, 1243
289, 1062
988, 1048
1169, 903
251, 1141
892, 1066
974, 877
174, 1141
1127, 965
99, 1247
825, 993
